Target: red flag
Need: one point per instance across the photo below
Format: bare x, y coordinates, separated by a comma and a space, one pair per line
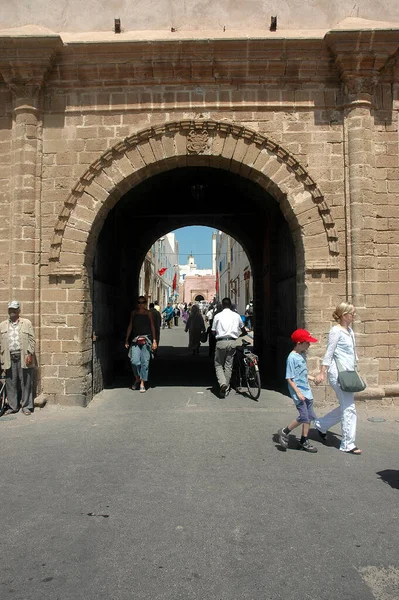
217, 281
162, 271
174, 284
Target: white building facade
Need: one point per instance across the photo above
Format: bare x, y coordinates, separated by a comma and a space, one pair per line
153, 284
233, 272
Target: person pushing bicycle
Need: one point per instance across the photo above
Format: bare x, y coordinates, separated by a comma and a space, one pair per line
227, 327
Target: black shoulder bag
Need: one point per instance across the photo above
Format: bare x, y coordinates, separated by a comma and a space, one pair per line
350, 380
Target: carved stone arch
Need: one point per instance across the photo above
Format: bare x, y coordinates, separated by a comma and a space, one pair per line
176, 144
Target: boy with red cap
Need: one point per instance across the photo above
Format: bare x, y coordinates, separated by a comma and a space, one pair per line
298, 385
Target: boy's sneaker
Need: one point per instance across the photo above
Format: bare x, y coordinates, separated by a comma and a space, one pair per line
307, 446
283, 438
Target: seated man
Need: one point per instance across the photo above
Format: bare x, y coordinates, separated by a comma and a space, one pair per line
227, 327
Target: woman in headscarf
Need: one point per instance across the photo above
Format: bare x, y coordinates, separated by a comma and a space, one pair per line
195, 326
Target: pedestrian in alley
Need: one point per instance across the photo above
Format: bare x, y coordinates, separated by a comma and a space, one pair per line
340, 347
176, 315
157, 323
298, 386
195, 327
17, 349
249, 313
214, 310
227, 327
142, 331
168, 314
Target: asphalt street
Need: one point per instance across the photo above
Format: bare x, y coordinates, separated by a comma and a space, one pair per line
176, 494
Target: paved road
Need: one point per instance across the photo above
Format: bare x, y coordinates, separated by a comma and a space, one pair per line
175, 494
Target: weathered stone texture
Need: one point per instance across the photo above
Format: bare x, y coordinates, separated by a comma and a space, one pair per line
311, 121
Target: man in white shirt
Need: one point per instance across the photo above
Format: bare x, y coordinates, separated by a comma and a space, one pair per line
227, 327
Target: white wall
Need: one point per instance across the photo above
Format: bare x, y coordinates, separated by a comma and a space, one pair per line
186, 15
231, 262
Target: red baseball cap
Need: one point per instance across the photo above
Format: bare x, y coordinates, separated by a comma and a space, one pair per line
302, 335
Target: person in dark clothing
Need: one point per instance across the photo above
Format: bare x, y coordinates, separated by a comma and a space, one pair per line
176, 315
195, 326
156, 315
211, 336
142, 329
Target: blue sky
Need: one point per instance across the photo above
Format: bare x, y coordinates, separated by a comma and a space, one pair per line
197, 240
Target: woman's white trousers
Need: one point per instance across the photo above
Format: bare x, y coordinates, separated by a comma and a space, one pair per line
346, 413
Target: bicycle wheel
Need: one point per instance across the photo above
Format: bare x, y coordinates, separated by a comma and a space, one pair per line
2, 399
253, 381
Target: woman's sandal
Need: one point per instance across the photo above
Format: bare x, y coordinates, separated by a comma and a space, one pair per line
355, 451
142, 389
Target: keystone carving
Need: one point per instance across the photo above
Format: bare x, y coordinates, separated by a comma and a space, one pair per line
197, 141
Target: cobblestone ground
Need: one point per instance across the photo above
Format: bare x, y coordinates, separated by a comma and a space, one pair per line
177, 494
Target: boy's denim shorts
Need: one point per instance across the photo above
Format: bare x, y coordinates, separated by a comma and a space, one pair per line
306, 412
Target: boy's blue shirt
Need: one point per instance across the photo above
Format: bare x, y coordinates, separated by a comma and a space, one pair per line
297, 371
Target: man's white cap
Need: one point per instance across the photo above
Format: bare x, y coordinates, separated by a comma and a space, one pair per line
14, 304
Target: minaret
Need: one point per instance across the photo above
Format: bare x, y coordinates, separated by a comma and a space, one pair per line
191, 263
214, 234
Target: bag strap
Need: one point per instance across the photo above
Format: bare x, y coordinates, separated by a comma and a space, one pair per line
354, 347
339, 366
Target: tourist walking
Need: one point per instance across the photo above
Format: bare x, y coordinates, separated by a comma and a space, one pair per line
227, 327
17, 349
196, 327
142, 331
298, 386
341, 347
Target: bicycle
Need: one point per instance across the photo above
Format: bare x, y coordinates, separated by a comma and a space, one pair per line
246, 371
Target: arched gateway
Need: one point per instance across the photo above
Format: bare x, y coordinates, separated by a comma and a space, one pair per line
282, 192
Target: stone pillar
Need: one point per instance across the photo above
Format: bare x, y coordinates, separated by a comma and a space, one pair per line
359, 165
26, 55
25, 198
359, 58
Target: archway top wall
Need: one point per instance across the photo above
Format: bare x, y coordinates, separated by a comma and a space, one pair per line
191, 143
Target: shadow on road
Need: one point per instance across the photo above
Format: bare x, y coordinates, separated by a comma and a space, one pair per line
391, 477
178, 366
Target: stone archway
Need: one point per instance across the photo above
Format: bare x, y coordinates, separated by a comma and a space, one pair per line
231, 147
187, 143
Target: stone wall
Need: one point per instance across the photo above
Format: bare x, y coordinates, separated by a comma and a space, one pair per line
312, 120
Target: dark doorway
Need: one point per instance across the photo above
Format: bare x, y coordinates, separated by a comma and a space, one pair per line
199, 298
194, 196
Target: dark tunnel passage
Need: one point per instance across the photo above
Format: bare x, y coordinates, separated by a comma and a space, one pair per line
194, 196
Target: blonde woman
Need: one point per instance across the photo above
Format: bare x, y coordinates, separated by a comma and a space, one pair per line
341, 346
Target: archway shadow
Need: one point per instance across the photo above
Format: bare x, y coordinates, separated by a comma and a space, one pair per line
391, 477
177, 366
